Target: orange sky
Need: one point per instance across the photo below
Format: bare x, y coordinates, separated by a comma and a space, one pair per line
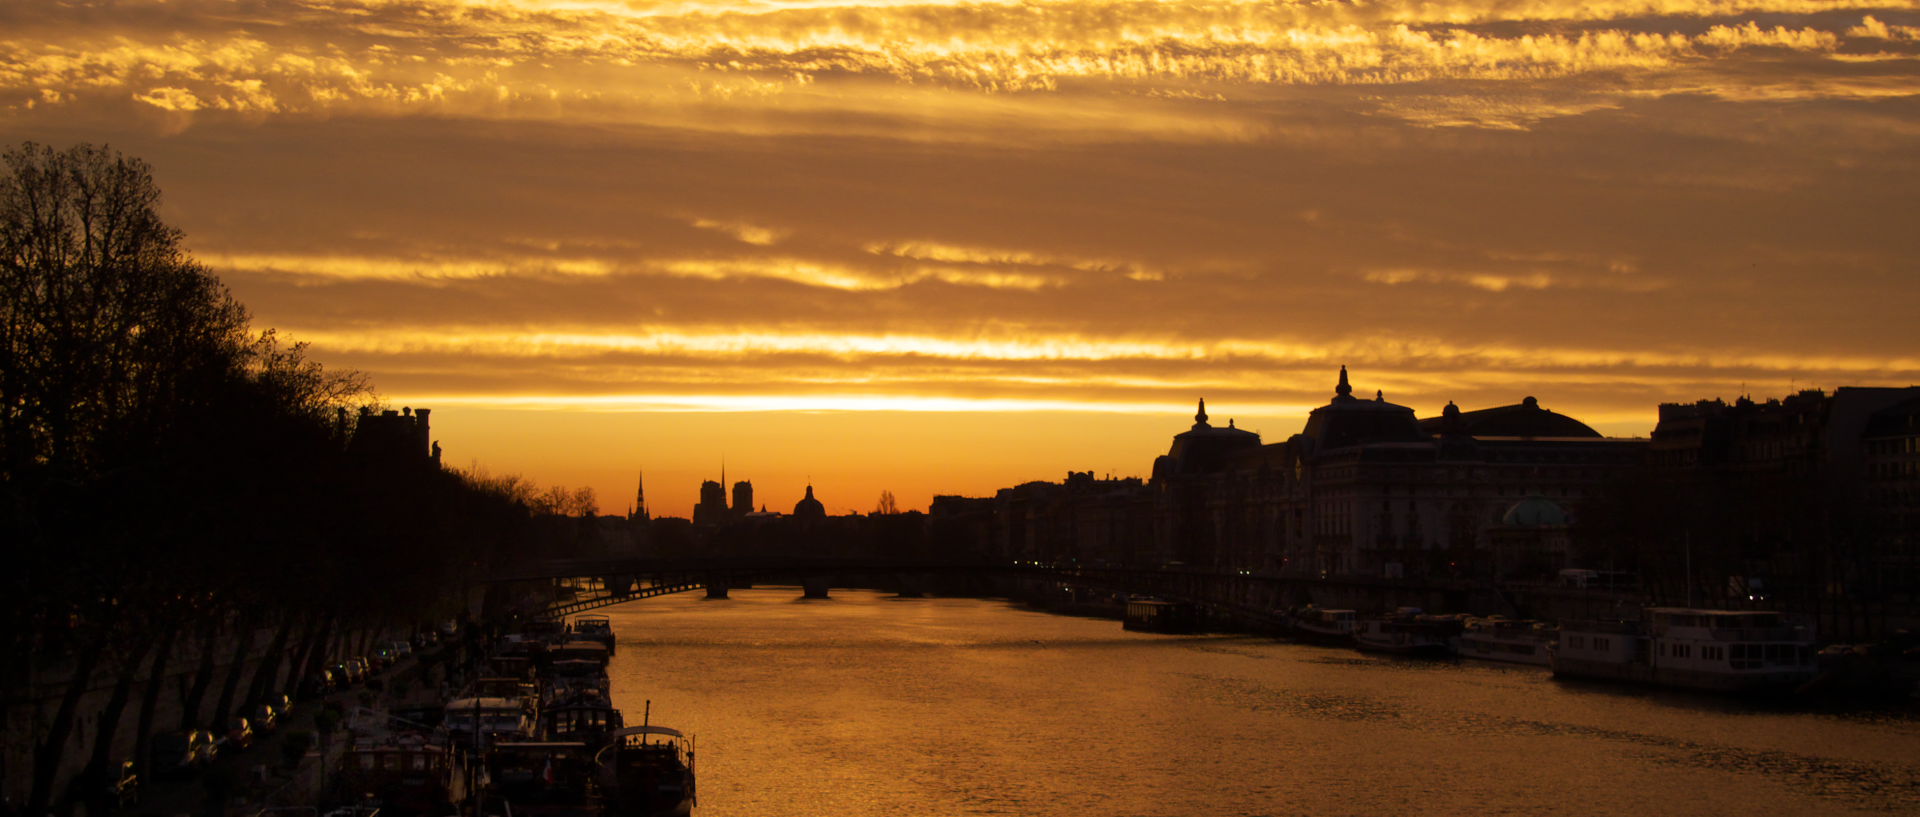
947, 247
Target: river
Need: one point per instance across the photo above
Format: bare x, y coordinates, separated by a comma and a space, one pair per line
865, 704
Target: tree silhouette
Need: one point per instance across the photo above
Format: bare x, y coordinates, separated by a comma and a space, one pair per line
168, 476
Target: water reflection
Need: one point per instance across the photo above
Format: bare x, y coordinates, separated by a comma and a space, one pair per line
862, 705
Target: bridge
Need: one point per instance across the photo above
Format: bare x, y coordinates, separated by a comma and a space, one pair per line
560, 588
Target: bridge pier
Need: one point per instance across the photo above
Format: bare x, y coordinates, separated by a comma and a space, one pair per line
910, 586
814, 587
717, 587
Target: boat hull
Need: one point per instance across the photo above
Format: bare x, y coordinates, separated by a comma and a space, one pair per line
1508, 651
1744, 682
1413, 649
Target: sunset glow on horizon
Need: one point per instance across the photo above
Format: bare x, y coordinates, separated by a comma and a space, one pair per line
930, 246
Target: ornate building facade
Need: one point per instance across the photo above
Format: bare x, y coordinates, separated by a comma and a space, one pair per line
1369, 489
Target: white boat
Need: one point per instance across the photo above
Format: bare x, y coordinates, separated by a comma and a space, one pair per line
1509, 640
1716, 650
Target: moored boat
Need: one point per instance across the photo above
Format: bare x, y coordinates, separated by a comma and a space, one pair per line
403, 774
545, 778
1509, 640
1714, 650
1158, 616
646, 771
584, 715
593, 627
577, 659
480, 721
1324, 626
1408, 632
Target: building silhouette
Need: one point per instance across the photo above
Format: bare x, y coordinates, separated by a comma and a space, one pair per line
809, 508
401, 437
1365, 489
712, 508
742, 499
1369, 489
1812, 499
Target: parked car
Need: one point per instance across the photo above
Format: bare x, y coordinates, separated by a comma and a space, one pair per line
209, 749
379, 660
265, 718
358, 669
324, 682
239, 735
175, 754
344, 676
124, 787
400, 649
181, 752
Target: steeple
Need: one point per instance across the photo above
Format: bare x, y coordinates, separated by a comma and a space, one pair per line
1343, 389
1200, 417
639, 497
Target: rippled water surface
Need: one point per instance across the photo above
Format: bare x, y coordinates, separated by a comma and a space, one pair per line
869, 705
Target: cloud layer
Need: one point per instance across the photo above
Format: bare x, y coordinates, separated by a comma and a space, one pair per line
1084, 206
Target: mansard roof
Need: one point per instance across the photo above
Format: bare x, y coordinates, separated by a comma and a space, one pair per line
1204, 447
1523, 419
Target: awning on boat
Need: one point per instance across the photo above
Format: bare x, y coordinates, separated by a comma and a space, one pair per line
646, 730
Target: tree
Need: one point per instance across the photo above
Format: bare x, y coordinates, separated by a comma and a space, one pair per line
168, 475
887, 504
105, 324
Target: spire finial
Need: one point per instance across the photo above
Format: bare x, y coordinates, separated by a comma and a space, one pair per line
1200, 417
1343, 389
1379, 395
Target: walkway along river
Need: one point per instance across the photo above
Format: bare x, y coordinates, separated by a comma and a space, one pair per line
865, 704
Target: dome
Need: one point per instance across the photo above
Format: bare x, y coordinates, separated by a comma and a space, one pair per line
808, 507
1534, 512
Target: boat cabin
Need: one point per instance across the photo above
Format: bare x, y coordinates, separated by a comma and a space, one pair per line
541, 776
488, 716
647, 770
1733, 641
405, 774
587, 716
578, 658
1158, 616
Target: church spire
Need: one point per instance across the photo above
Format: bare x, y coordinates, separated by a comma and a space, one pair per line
1344, 389
640, 496
1200, 417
